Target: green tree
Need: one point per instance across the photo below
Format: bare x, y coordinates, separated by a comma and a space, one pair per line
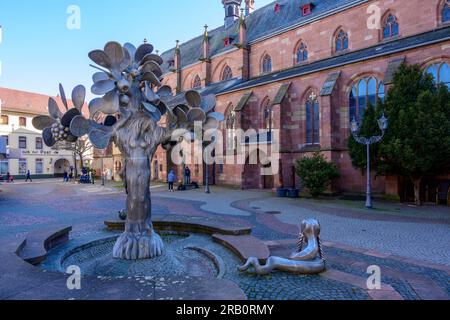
316, 173
417, 142
368, 127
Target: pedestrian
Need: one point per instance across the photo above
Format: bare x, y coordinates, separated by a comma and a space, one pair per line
187, 174
28, 176
171, 180
66, 177
9, 178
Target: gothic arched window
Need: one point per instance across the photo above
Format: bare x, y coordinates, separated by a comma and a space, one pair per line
390, 27
197, 83
227, 73
341, 41
367, 90
266, 65
446, 12
312, 119
302, 53
440, 72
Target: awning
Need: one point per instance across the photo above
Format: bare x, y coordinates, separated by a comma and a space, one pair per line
243, 102
281, 93
392, 68
330, 84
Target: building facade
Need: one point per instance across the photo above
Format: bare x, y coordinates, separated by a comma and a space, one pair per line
305, 68
25, 147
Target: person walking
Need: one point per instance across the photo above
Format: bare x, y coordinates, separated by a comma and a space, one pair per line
28, 176
9, 178
187, 174
66, 177
171, 179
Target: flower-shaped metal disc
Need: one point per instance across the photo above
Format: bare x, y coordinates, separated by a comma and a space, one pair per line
68, 116
53, 109
193, 98
142, 51
42, 122
100, 58
47, 136
78, 96
196, 114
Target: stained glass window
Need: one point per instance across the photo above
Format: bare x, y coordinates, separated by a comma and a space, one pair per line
267, 64
341, 41
367, 90
312, 119
390, 27
302, 53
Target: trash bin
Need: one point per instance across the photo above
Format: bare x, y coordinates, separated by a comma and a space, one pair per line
281, 192
293, 193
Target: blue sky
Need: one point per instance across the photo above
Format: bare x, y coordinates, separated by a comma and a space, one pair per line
38, 50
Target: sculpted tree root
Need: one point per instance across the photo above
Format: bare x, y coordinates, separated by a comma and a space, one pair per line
131, 246
304, 261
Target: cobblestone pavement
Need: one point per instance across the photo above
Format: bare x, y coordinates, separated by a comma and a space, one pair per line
28, 207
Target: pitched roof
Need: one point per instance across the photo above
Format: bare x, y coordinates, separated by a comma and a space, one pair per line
28, 102
260, 23
382, 49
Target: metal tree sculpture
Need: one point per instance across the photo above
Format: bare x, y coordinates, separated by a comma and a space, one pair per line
132, 105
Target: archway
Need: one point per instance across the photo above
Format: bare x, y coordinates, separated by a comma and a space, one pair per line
61, 166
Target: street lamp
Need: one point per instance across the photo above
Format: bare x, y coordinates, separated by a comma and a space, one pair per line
207, 189
383, 125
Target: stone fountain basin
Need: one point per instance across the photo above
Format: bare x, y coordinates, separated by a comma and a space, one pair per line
207, 238
182, 256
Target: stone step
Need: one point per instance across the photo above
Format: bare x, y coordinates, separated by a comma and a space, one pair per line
244, 246
37, 245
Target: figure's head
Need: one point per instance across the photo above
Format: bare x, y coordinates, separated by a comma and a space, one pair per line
310, 228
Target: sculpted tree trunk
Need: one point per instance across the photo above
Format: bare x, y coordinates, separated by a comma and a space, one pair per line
137, 138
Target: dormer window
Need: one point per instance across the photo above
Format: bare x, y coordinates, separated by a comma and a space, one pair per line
171, 63
227, 41
306, 9
277, 8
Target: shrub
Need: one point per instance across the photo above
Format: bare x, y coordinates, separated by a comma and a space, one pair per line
316, 173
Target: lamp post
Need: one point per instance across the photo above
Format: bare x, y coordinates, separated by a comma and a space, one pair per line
207, 190
102, 175
383, 125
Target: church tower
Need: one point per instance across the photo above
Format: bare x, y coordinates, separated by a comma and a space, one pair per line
232, 11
